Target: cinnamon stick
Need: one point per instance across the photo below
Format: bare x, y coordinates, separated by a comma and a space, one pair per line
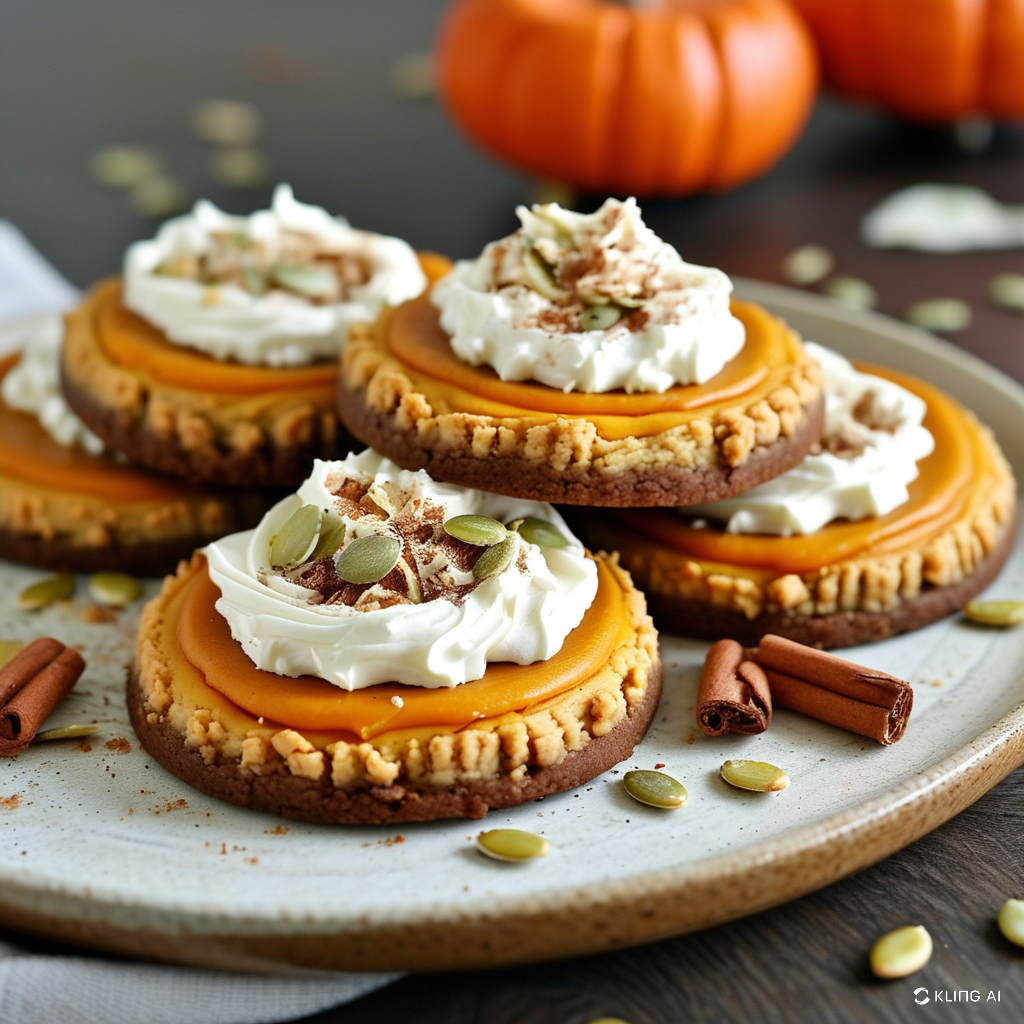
26, 664
830, 689
22, 716
733, 694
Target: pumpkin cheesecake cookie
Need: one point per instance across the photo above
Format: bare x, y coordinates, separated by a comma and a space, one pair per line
215, 359
383, 648
66, 505
580, 360
904, 514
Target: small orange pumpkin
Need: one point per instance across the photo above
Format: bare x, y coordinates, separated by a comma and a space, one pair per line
662, 98
930, 60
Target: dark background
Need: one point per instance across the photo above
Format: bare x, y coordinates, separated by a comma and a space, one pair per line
77, 76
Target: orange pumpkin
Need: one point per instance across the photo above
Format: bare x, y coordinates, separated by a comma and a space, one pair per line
662, 98
932, 60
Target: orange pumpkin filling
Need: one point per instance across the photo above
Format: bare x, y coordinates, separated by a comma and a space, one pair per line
937, 499
413, 336
324, 712
133, 343
29, 453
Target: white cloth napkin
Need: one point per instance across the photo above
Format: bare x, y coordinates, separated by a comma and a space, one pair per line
40, 988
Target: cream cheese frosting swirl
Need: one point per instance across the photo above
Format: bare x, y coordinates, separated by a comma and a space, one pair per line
589, 302
873, 440
32, 385
280, 287
439, 630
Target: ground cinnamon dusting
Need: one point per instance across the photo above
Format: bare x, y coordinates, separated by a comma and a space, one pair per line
10, 802
119, 745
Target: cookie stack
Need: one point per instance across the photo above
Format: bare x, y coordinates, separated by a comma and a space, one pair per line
416, 633
175, 404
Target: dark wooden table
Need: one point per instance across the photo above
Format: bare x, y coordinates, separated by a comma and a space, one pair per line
76, 76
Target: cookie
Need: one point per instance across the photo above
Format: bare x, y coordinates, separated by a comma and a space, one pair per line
589, 365
848, 582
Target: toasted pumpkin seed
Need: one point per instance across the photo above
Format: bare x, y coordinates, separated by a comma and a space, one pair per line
125, 166
8, 649
656, 789
368, 559
332, 536
996, 613
226, 122
1011, 921
512, 844
541, 279
480, 530
542, 533
159, 197
901, 952
313, 282
851, 292
755, 775
240, 167
495, 559
47, 592
945, 315
294, 541
1007, 290
629, 301
67, 732
599, 318
115, 589
807, 265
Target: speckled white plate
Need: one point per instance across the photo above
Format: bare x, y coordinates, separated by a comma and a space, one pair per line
102, 846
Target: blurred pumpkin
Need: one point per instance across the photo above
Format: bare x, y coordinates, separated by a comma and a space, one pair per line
661, 98
932, 60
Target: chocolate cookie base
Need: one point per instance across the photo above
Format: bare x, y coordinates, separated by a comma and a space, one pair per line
637, 488
268, 466
318, 801
840, 629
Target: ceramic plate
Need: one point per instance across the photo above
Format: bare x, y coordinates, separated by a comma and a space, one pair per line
99, 845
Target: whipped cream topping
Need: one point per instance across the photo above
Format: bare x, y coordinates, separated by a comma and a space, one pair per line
280, 287
428, 622
32, 385
872, 442
589, 302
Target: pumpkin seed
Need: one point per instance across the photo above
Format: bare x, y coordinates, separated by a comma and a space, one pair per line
240, 167
8, 649
226, 122
996, 613
541, 279
807, 265
480, 530
563, 236
47, 592
313, 282
945, 315
901, 952
512, 844
115, 589
541, 533
629, 301
851, 292
599, 318
67, 732
656, 789
295, 540
332, 536
1007, 290
368, 559
1011, 921
495, 559
125, 166
161, 196
755, 775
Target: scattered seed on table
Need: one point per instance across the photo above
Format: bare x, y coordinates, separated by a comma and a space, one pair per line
1007, 290
901, 952
995, 613
808, 265
240, 167
851, 292
946, 316
654, 788
512, 844
757, 776
125, 166
1011, 921
161, 196
227, 122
